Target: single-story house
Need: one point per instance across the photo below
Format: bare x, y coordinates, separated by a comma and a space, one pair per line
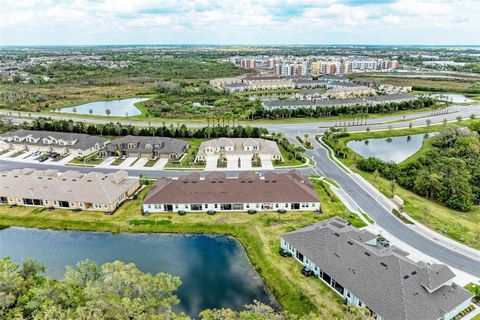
75, 190
239, 147
145, 147
77, 144
216, 192
367, 273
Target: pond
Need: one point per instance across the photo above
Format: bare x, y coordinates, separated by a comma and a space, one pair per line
214, 270
396, 149
118, 108
452, 97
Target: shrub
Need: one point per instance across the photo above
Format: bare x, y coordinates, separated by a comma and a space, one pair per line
252, 211
211, 212
281, 211
182, 212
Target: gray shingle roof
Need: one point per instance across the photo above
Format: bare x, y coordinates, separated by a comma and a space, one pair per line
389, 283
159, 144
82, 141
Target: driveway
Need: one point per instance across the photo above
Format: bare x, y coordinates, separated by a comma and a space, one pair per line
246, 162
232, 162
127, 162
266, 162
140, 163
211, 162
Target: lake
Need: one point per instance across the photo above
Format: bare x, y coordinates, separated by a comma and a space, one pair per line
396, 149
214, 270
118, 108
453, 97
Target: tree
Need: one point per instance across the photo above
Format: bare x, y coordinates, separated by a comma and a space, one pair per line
74, 110
428, 122
107, 111
90, 111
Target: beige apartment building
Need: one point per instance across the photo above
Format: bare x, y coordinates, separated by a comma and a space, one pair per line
94, 191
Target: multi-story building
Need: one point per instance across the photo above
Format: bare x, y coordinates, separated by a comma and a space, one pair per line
368, 273
49, 141
216, 192
74, 190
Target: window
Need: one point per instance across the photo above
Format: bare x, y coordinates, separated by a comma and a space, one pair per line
225, 206
238, 206
349, 295
196, 206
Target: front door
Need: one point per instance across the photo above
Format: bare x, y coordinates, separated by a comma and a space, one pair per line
168, 207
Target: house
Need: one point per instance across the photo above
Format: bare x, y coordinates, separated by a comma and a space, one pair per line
310, 94
381, 278
75, 190
239, 149
216, 192
145, 147
348, 90
77, 144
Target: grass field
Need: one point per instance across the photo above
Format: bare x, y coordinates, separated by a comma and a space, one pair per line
188, 159
258, 233
460, 226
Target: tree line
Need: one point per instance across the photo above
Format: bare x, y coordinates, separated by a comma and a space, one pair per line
449, 172
172, 131
356, 110
115, 291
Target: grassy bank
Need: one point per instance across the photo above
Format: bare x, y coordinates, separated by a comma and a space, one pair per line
460, 226
258, 233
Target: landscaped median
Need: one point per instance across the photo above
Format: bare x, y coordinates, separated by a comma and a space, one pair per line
259, 233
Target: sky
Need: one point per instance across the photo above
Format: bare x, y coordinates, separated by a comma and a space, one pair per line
255, 22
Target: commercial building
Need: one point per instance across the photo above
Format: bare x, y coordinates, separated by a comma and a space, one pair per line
74, 190
145, 147
216, 192
371, 101
370, 274
49, 141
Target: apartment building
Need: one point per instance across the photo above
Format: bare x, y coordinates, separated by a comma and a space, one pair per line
145, 147
74, 190
49, 141
365, 272
216, 192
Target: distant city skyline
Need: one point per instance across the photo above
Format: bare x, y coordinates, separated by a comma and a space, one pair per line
241, 22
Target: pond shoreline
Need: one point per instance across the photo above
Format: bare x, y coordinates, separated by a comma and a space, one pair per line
251, 276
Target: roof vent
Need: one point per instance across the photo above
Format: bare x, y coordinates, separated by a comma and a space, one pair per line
414, 273
405, 277
350, 243
383, 264
367, 254
337, 234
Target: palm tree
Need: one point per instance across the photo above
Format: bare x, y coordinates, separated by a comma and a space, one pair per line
429, 122
90, 111
74, 110
107, 111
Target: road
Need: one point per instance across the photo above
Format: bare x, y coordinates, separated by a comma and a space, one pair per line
386, 220
376, 123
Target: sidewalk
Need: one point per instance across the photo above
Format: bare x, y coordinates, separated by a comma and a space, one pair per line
416, 226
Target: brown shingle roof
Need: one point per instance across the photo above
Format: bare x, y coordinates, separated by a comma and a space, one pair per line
217, 188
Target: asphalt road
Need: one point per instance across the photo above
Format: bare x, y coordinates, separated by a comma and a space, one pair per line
375, 123
389, 222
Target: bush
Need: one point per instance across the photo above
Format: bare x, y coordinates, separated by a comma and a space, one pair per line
182, 212
211, 212
281, 211
252, 211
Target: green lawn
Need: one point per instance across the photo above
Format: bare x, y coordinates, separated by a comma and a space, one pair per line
93, 159
461, 226
258, 233
288, 159
188, 159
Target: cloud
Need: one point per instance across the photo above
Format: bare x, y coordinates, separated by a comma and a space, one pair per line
239, 21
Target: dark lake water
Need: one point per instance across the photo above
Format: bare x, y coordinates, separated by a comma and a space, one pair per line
118, 108
214, 270
396, 149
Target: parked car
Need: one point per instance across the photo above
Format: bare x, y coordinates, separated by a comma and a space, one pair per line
383, 242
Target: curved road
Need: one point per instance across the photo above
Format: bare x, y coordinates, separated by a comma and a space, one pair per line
389, 222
